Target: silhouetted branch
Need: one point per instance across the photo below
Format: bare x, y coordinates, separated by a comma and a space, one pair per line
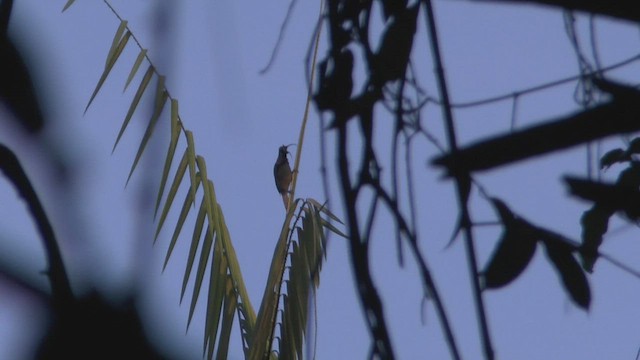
369, 298
60, 287
276, 47
536, 88
611, 118
429, 284
463, 183
623, 9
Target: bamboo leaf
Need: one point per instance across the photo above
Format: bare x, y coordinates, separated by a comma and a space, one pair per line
191, 153
296, 296
308, 244
161, 100
67, 5
136, 66
265, 321
305, 260
333, 229
202, 264
292, 335
195, 240
287, 347
134, 103
245, 308
111, 60
186, 206
217, 287
175, 134
182, 168
209, 201
230, 305
116, 40
324, 209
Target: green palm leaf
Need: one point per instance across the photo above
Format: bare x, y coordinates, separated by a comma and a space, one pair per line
118, 45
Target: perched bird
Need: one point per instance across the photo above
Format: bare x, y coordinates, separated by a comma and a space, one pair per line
282, 174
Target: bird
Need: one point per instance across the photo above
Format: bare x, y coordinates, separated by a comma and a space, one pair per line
282, 174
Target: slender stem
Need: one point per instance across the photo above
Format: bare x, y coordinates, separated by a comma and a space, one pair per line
359, 250
296, 163
540, 87
60, 286
429, 282
462, 184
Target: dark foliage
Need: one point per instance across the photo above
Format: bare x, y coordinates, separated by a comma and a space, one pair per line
92, 328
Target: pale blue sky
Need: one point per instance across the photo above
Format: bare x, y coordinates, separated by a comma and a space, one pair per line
239, 119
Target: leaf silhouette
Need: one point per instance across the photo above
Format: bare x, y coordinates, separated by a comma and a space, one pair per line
136, 66
611, 157
623, 196
617, 197
595, 223
117, 46
514, 251
572, 276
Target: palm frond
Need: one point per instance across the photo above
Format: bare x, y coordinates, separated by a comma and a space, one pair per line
226, 293
305, 262
117, 46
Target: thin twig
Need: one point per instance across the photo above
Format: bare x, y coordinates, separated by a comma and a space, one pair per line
371, 302
60, 286
429, 284
537, 88
283, 27
394, 159
460, 183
